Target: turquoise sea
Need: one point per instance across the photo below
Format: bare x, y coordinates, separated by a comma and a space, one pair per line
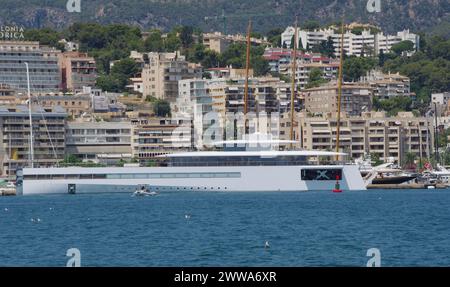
409, 227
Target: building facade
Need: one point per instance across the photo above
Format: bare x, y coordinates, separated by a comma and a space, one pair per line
355, 99
77, 71
387, 86
366, 43
161, 74
219, 42
48, 137
7, 95
43, 66
440, 98
372, 133
75, 105
102, 142
280, 61
153, 137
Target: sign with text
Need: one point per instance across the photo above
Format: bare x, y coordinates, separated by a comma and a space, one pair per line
11, 33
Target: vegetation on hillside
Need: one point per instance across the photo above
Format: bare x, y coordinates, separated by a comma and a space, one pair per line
266, 14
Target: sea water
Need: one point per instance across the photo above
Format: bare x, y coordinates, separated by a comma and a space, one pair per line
408, 227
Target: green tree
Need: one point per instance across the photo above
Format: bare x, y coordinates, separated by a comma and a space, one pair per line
410, 160
325, 48
311, 25
45, 36
186, 37
404, 46
119, 76
381, 58
126, 67
71, 160
172, 43
274, 36
393, 105
235, 55
315, 78
110, 83
161, 108
154, 42
356, 67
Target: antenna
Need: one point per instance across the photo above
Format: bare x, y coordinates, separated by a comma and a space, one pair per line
31, 155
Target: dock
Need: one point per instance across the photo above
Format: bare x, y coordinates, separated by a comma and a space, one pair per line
406, 186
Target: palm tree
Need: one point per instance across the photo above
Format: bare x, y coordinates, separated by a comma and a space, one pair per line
410, 160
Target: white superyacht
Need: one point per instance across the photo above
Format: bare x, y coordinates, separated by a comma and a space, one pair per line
229, 170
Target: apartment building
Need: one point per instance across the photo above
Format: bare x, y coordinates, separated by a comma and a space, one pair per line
366, 43
43, 66
153, 137
48, 137
387, 86
267, 94
161, 74
280, 62
102, 142
372, 133
193, 95
440, 98
356, 98
7, 95
228, 72
219, 43
77, 71
75, 105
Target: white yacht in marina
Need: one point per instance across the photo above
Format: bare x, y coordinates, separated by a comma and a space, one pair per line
234, 170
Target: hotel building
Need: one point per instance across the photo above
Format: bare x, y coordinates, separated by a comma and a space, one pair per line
43, 66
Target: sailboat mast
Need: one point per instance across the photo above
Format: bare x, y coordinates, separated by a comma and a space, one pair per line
294, 68
247, 68
341, 60
31, 155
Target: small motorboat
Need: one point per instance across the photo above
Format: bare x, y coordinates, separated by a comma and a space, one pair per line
144, 191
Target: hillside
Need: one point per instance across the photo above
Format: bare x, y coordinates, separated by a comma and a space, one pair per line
419, 15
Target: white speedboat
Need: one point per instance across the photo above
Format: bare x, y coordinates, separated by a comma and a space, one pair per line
442, 174
143, 191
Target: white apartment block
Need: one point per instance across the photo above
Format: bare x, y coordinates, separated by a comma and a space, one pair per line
440, 98
107, 142
367, 43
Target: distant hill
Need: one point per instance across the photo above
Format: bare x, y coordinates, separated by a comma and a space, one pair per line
418, 15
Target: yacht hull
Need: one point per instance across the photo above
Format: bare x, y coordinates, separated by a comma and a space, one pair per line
160, 179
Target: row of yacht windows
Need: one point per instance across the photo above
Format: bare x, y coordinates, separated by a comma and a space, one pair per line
240, 161
135, 175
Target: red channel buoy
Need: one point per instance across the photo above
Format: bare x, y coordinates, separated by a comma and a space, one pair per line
337, 187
